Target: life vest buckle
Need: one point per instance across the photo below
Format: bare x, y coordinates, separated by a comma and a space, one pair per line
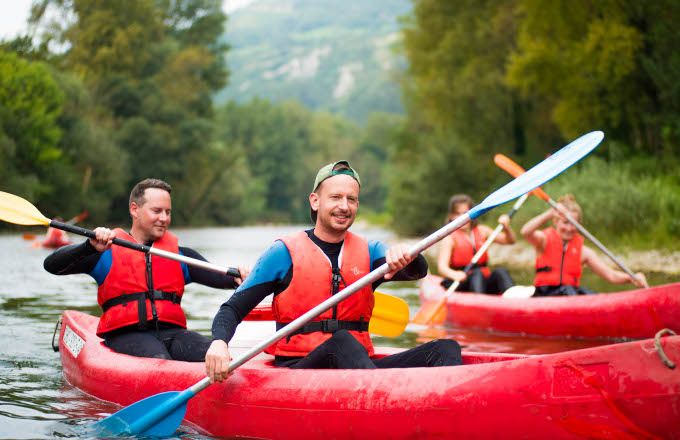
330, 326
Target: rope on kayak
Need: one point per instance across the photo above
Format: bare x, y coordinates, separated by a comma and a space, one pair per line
659, 349
57, 331
592, 379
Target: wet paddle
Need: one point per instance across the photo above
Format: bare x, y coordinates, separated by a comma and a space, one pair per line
14, 209
512, 168
160, 415
429, 310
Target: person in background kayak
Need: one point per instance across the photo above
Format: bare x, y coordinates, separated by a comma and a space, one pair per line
55, 238
456, 252
304, 269
140, 294
561, 254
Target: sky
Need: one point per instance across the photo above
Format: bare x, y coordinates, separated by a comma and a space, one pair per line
14, 14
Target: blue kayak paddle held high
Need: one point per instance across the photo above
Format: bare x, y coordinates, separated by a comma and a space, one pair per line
160, 415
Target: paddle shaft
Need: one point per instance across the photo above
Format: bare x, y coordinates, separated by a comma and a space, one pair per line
590, 237
452, 288
148, 249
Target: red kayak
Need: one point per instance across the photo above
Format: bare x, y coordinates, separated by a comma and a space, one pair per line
614, 391
630, 314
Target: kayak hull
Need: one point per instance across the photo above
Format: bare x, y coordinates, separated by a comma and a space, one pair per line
631, 314
623, 389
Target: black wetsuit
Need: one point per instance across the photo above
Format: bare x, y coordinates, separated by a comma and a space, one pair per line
273, 273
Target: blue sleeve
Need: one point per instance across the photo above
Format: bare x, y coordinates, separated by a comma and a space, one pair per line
377, 250
185, 270
272, 266
101, 270
267, 276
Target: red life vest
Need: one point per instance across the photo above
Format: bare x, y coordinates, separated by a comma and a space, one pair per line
464, 250
312, 283
124, 294
558, 265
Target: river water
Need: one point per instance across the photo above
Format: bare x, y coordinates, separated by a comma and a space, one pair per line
37, 403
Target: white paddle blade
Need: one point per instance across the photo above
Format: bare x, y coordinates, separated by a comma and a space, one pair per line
540, 173
519, 292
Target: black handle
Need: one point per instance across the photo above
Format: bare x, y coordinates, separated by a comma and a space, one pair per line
90, 234
232, 271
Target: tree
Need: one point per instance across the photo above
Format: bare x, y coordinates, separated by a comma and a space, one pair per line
30, 105
603, 64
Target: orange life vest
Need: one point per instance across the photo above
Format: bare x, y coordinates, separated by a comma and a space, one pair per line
312, 283
559, 265
125, 294
464, 250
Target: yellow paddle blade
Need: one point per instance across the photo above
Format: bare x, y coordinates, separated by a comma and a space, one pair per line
432, 312
390, 315
14, 209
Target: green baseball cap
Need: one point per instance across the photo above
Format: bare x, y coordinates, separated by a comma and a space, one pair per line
333, 169
330, 170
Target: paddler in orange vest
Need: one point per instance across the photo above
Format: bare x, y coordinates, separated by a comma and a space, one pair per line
306, 268
561, 254
140, 294
456, 252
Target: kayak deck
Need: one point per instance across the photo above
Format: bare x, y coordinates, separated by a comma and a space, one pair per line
632, 314
622, 388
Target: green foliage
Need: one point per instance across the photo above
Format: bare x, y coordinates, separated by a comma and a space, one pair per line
621, 206
284, 145
424, 178
30, 104
603, 64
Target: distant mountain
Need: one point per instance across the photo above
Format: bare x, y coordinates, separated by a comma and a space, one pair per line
335, 55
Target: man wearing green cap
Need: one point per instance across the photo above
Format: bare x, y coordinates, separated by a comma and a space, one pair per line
304, 269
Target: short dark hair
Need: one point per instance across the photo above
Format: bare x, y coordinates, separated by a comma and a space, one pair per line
460, 199
137, 193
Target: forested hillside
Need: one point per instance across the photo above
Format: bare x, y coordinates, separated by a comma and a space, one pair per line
329, 55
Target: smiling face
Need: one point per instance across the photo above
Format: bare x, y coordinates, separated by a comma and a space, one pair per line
336, 202
151, 218
564, 228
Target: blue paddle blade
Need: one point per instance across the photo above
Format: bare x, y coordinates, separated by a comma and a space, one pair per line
132, 420
541, 173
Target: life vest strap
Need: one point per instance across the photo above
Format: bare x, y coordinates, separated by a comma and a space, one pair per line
543, 269
158, 295
328, 326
